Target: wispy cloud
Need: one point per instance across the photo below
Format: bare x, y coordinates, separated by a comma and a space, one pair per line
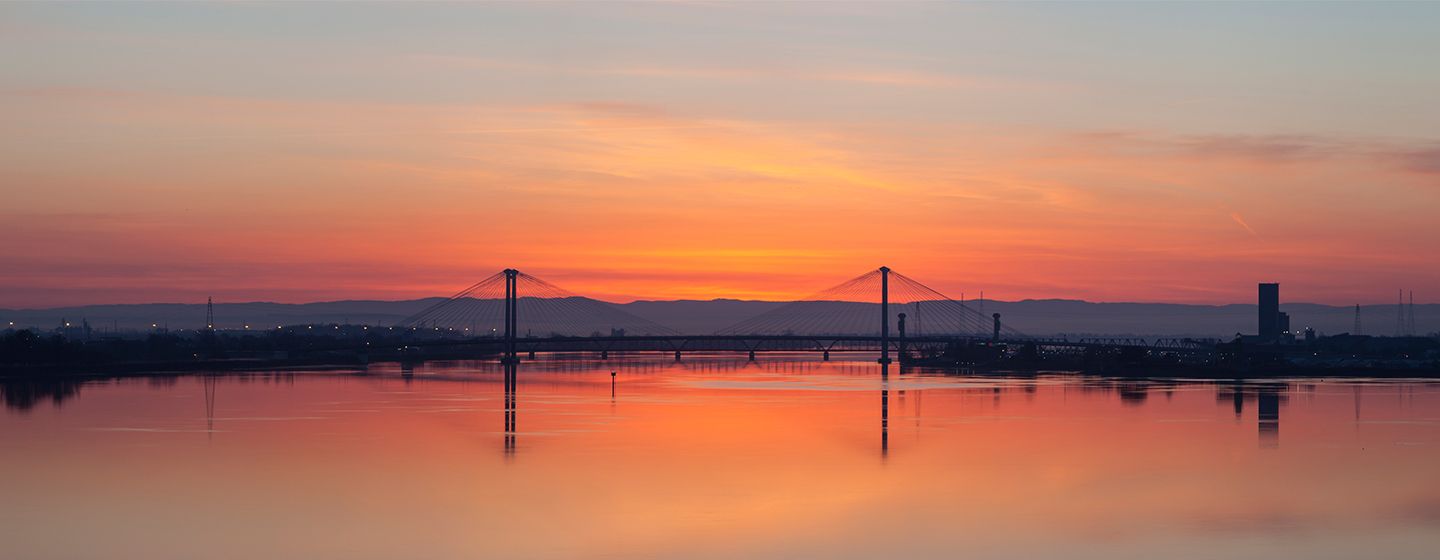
1409, 156
1241, 220
1424, 160
886, 76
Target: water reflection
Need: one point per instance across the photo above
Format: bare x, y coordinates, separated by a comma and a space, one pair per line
1268, 397
210, 383
511, 382
884, 410
719, 459
21, 395
1268, 417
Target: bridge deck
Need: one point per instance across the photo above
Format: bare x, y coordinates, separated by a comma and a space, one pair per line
764, 343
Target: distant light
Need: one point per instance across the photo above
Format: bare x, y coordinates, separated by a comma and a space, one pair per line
154, 326
67, 324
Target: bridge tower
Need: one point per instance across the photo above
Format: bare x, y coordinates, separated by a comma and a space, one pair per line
510, 312
884, 315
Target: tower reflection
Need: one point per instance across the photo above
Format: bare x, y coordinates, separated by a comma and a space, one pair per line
510, 406
1268, 405
884, 410
1268, 398
209, 383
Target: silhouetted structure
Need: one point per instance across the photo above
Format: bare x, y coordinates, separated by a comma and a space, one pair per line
1270, 317
884, 314
1400, 313
1411, 328
900, 330
511, 310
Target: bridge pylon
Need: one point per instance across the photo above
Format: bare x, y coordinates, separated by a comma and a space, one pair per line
884, 315
511, 309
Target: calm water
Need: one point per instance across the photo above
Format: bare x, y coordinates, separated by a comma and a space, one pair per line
714, 458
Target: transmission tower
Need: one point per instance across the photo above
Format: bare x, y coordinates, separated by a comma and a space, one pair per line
1358, 331
209, 314
1400, 313
1411, 326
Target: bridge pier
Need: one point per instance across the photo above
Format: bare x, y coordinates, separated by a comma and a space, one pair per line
825, 356
677, 355
532, 354
752, 355
604, 354
900, 327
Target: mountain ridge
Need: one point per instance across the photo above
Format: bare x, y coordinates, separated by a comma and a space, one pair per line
1046, 317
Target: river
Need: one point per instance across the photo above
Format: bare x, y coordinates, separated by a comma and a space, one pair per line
716, 457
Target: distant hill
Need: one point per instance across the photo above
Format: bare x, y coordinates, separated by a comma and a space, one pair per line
1037, 317
1075, 318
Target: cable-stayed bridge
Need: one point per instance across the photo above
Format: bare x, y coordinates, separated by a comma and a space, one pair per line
512, 313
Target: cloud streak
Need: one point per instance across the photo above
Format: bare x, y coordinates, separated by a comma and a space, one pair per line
1241, 220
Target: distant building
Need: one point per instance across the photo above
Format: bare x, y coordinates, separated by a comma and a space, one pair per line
1271, 318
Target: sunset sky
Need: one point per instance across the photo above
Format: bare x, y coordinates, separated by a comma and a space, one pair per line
1113, 152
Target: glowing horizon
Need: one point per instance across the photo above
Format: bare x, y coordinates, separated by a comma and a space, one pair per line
298, 153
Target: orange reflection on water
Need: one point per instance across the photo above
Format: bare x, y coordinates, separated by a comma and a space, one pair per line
718, 458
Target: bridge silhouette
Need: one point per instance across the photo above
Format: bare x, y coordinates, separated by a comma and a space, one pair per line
511, 313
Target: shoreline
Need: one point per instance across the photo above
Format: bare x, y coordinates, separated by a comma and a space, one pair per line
331, 363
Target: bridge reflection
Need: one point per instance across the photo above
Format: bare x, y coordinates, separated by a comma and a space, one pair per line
511, 409
1267, 401
884, 410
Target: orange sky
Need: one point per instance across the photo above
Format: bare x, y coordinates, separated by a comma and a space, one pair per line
671, 152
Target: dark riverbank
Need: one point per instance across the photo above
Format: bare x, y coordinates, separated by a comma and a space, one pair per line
26, 353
